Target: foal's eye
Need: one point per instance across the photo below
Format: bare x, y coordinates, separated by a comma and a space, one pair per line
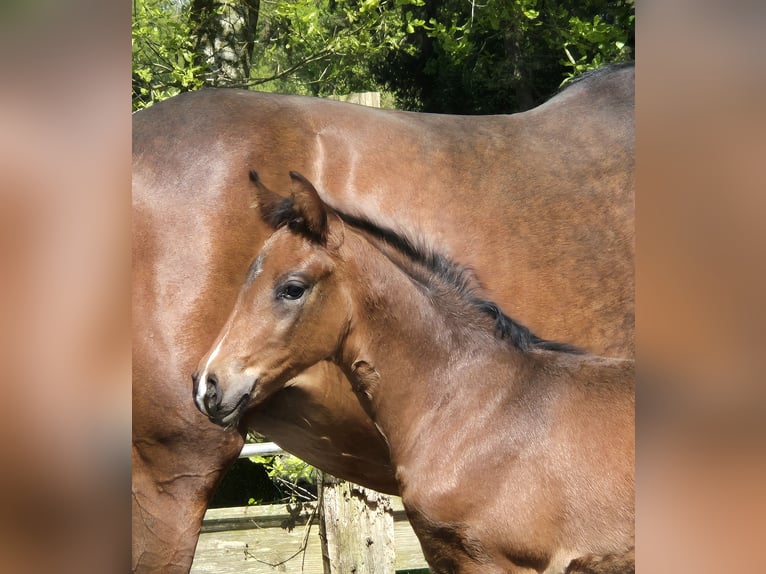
291, 291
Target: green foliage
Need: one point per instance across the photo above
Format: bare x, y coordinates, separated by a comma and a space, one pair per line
505, 56
590, 42
163, 52
290, 474
328, 47
445, 56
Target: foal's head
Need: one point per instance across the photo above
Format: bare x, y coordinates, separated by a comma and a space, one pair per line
291, 312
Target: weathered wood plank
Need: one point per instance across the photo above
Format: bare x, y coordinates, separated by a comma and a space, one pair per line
254, 539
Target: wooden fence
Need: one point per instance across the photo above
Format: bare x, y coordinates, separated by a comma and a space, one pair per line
270, 538
288, 538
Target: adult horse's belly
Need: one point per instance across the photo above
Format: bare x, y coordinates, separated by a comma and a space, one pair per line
336, 436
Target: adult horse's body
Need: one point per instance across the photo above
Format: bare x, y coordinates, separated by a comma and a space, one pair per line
539, 204
512, 454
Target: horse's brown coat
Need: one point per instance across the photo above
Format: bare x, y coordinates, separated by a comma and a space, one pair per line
506, 459
540, 204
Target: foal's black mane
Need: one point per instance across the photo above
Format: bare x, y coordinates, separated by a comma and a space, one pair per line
465, 284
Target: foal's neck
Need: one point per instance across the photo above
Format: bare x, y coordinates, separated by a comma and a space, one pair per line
412, 345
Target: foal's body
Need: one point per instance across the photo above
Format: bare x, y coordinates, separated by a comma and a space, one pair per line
506, 460
512, 454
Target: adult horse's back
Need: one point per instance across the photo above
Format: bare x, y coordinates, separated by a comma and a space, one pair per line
539, 204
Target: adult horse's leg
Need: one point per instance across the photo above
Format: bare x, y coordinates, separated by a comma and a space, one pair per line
172, 483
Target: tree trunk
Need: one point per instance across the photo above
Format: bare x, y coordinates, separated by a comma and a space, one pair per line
225, 33
357, 529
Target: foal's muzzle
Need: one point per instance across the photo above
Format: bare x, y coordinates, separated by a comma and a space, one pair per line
210, 401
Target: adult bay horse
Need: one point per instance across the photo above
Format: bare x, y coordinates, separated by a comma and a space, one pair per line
512, 453
539, 204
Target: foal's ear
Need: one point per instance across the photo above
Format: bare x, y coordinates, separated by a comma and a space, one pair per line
311, 210
304, 211
274, 209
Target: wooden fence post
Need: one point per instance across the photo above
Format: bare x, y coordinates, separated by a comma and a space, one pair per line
357, 529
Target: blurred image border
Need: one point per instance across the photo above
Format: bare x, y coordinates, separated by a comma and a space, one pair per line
65, 288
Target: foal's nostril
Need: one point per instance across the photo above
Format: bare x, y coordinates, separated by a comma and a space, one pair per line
212, 396
195, 377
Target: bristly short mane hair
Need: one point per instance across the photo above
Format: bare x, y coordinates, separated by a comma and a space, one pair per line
464, 283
